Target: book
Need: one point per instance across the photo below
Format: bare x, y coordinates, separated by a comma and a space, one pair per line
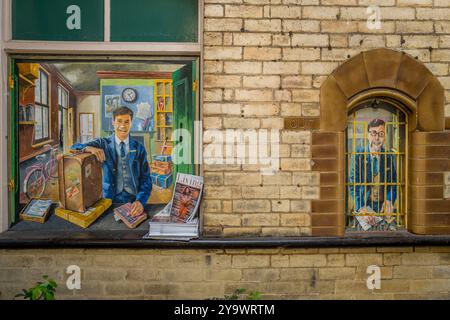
85, 219
186, 197
36, 210
124, 213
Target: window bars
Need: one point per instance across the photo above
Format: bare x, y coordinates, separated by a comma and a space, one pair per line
376, 164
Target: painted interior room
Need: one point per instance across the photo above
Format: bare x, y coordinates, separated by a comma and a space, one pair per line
66, 102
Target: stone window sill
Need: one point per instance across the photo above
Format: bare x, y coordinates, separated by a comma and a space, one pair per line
133, 239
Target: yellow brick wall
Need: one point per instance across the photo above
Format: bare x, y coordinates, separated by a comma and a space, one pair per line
265, 60
327, 273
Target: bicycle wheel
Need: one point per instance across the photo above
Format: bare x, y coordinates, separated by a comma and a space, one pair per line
34, 183
51, 168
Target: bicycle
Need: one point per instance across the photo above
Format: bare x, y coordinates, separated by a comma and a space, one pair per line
38, 174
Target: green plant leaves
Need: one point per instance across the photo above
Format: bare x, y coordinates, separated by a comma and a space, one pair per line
42, 290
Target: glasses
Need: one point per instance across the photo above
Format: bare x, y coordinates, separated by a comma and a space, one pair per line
374, 133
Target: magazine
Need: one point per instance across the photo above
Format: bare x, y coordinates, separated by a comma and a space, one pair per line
363, 220
164, 216
186, 197
173, 231
124, 213
38, 208
178, 220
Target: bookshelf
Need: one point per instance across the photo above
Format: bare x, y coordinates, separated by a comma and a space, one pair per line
163, 111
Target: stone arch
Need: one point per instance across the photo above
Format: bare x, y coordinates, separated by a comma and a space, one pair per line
394, 75
383, 72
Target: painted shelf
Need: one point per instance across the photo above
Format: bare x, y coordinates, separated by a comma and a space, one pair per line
163, 110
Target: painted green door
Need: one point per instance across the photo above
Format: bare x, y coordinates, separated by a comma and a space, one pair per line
184, 115
13, 142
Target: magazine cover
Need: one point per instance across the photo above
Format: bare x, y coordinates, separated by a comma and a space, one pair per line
186, 197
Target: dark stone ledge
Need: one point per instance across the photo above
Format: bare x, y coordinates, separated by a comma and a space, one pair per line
133, 239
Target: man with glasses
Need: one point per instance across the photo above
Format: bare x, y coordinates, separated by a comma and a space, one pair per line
373, 171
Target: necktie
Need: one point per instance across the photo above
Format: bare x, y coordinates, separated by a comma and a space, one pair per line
122, 149
375, 166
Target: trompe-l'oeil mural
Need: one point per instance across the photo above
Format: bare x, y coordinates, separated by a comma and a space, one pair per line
95, 136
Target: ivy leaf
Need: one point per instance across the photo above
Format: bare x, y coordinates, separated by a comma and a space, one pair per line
36, 294
49, 296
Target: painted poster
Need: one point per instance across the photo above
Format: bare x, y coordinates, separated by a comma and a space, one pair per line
139, 98
112, 102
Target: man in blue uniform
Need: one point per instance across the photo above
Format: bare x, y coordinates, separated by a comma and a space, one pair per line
126, 173
378, 195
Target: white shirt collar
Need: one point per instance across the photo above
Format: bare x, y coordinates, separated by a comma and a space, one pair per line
118, 141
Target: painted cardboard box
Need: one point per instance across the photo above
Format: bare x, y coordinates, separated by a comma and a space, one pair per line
162, 180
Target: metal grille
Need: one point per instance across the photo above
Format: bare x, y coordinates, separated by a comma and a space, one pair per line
376, 167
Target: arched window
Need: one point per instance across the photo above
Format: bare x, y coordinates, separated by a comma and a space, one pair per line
376, 164
414, 99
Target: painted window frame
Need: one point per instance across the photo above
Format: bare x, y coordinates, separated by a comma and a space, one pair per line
394, 105
48, 106
62, 89
79, 121
198, 146
9, 49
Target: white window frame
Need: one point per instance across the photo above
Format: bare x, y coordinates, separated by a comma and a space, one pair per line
62, 89
47, 106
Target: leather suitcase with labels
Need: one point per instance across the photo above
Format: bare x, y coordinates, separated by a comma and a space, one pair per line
80, 181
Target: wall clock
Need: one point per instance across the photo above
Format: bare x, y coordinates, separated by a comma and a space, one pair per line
129, 95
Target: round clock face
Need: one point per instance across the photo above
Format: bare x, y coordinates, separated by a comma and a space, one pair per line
129, 95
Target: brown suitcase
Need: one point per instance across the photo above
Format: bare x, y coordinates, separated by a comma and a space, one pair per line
80, 181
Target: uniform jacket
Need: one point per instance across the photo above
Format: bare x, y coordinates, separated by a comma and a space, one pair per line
360, 194
137, 161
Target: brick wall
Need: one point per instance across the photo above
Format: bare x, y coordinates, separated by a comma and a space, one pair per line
265, 60
406, 272
430, 166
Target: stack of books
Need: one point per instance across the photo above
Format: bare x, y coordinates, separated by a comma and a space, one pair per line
85, 219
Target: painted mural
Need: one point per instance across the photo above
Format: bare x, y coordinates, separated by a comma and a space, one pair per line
134, 94
139, 111
375, 166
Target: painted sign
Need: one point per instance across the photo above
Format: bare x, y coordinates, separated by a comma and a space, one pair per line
62, 20
154, 20
83, 20
301, 123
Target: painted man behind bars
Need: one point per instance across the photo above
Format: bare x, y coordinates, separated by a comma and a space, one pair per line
378, 195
